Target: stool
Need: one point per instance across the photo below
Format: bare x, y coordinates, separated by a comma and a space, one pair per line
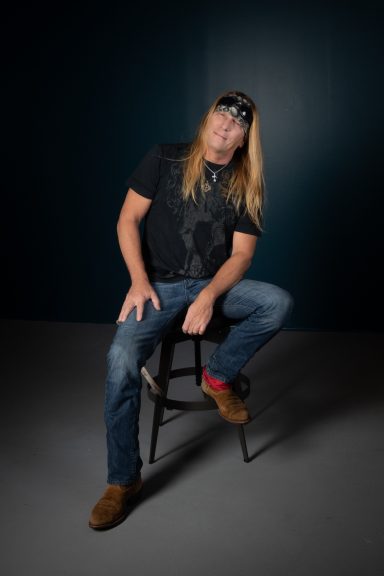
216, 331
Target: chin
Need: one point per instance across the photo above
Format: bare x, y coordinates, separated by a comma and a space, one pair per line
217, 147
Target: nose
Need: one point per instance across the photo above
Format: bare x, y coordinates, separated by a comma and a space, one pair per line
226, 125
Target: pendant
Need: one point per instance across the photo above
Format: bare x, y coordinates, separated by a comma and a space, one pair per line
214, 178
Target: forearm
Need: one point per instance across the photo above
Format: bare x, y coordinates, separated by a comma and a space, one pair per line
130, 245
132, 213
200, 311
141, 290
230, 273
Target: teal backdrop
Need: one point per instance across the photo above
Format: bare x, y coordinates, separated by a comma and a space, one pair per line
89, 88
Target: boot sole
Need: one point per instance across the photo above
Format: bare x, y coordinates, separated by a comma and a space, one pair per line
234, 421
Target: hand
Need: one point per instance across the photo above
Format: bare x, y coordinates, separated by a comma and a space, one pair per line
137, 296
198, 315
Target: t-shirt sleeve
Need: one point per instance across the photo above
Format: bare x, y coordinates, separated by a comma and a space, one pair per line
145, 177
245, 225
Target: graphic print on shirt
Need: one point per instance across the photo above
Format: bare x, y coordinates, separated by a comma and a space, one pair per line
201, 225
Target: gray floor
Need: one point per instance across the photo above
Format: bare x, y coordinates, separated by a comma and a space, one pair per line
309, 503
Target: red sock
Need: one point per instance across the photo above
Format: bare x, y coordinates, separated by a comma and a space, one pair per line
214, 383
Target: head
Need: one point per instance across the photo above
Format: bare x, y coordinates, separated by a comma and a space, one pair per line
230, 124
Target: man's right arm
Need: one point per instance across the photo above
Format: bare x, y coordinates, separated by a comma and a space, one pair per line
133, 211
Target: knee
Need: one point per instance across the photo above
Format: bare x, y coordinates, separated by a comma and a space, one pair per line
116, 356
123, 380
280, 305
286, 302
121, 361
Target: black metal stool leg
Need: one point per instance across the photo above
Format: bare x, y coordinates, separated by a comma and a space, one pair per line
243, 442
157, 417
198, 367
166, 359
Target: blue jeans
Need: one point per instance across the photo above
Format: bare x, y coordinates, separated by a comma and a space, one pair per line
261, 310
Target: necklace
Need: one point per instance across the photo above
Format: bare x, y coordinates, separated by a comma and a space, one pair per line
215, 172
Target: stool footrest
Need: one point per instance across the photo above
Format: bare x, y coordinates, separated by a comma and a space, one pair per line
174, 404
241, 387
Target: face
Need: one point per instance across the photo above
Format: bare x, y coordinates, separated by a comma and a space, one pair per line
223, 135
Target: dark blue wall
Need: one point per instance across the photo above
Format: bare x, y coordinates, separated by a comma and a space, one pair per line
89, 89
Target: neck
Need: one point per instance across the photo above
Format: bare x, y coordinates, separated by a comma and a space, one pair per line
217, 158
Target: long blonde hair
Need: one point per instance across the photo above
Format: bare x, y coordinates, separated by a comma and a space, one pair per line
246, 185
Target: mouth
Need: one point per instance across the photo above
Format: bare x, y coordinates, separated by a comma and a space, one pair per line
220, 136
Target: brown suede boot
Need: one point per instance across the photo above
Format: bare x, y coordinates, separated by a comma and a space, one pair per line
112, 508
231, 407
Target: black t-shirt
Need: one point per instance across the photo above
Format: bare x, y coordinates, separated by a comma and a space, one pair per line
183, 238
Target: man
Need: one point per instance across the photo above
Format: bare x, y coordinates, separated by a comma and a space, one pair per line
201, 204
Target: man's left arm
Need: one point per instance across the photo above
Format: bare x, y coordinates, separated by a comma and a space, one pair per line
230, 273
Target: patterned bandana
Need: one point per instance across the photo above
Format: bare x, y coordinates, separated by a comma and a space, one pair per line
239, 107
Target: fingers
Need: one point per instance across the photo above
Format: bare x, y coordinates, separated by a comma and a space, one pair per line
193, 326
133, 301
197, 319
155, 300
127, 309
125, 312
139, 311
194, 331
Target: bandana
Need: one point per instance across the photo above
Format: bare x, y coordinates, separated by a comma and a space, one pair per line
238, 107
